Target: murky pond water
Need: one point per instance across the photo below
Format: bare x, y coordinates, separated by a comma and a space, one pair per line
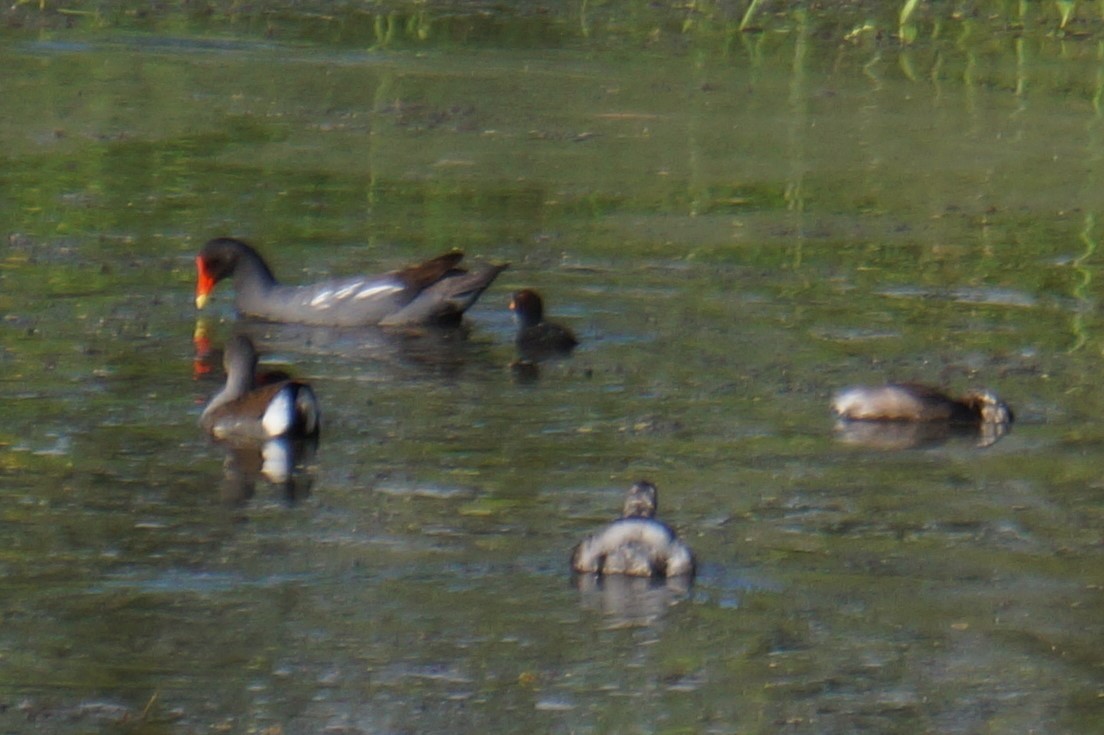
735, 224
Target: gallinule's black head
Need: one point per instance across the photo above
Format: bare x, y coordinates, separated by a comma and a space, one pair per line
537, 339
528, 308
915, 402
222, 258
636, 544
244, 411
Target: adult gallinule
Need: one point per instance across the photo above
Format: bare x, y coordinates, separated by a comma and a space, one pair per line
241, 410
433, 292
537, 339
635, 544
915, 402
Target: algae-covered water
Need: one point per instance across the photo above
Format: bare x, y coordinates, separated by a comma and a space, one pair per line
736, 224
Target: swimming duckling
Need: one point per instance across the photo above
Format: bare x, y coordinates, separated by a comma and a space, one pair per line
914, 402
635, 544
537, 339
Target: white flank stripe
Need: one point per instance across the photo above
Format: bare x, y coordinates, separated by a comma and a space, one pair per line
374, 290
346, 292
277, 417
321, 298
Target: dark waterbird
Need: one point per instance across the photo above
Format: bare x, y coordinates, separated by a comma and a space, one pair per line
536, 338
915, 402
908, 415
242, 410
636, 544
434, 292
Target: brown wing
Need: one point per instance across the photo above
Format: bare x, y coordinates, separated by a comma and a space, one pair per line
921, 391
255, 403
932, 404
424, 275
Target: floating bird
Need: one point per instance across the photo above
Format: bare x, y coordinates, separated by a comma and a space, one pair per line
636, 544
434, 292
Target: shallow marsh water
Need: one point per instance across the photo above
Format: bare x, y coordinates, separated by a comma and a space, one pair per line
735, 224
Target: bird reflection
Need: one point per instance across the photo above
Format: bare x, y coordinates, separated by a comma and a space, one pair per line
436, 350
207, 358
631, 601
525, 372
282, 463
897, 435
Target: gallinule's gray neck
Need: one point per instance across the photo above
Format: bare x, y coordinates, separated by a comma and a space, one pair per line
915, 402
243, 410
537, 339
636, 544
434, 292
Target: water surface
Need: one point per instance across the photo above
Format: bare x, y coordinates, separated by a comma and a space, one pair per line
735, 224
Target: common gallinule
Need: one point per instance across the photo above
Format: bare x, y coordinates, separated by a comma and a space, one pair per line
635, 544
915, 402
241, 410
537, 339
433, 292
